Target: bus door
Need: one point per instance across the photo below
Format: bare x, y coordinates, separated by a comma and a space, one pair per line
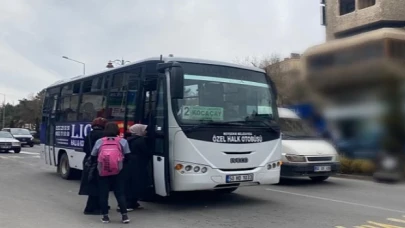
155, 107
50, 133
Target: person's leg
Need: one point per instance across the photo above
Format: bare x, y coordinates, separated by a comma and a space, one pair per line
104, 186
92, 205
119, 192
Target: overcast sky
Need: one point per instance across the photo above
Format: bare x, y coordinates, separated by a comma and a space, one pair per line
35, 34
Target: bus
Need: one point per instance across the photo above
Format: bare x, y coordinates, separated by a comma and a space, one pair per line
211, 125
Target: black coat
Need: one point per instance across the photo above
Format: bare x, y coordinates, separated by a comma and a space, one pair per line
89, 187
136, 169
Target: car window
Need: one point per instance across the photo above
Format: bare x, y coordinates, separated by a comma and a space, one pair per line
20, 131
5, 134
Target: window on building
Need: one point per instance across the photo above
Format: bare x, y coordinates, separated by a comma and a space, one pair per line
366, 3
347, 6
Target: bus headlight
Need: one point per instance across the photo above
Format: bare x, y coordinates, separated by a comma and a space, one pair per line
273, 165
189, 168
295, 158
204, 170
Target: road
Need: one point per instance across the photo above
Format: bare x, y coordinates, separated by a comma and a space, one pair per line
32, 195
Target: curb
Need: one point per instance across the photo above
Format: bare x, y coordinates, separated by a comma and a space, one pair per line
354, 177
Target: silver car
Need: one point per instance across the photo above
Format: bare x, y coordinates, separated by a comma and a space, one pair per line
8, 142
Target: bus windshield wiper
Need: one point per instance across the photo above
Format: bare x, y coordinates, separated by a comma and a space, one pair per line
273, 127
212, 123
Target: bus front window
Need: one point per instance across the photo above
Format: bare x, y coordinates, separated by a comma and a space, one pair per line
223, 94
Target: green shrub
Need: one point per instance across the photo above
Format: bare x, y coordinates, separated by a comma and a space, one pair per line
356, 166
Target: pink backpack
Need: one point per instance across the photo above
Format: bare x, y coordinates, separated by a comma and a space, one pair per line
110, 157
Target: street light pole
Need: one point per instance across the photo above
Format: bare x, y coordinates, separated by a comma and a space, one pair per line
84, 65
4, 110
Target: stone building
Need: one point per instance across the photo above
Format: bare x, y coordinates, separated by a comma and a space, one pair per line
359, 71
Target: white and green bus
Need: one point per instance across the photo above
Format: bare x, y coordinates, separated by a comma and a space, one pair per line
211, 125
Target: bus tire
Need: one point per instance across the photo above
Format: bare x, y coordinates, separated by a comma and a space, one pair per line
226, 190
64, 169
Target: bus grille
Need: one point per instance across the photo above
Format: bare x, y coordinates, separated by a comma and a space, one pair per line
235, 170
313, 159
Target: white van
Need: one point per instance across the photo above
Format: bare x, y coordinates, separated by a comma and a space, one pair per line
304, 153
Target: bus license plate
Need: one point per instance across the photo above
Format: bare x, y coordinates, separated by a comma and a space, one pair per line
322, 169
239, 178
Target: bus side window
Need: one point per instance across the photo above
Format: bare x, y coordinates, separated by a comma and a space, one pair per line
93, 100
69, 102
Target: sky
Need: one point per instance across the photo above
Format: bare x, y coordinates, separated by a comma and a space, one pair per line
35, 34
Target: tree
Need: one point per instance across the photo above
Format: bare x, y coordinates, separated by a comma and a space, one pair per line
290, 87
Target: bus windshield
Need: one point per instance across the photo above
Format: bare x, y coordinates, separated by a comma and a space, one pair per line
223, 94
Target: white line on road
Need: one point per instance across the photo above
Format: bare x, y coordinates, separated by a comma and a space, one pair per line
31, 153
336, 201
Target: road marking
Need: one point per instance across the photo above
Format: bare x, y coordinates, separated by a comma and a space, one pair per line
31, 153
396, 220
383, 225
366, 226
336, 201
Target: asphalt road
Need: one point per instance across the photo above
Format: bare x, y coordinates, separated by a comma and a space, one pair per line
32, 195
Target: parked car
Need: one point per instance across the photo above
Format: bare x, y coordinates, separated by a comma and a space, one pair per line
21, 134
8, 142
305, 154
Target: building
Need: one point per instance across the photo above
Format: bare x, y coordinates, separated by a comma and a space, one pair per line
287, 75
359, 71
344, 18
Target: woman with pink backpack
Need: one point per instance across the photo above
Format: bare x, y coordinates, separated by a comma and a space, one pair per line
109, 153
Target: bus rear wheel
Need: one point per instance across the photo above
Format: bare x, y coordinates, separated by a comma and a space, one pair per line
64, 169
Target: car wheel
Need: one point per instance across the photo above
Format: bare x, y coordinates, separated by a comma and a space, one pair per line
31, 145
17, 150
319, 179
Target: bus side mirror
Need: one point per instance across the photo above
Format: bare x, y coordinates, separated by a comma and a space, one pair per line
176, 78
176, 81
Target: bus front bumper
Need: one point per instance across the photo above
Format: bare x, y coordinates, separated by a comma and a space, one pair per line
217, 179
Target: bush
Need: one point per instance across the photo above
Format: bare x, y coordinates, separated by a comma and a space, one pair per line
356, 166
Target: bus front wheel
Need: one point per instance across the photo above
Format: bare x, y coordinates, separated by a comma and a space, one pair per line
64, 169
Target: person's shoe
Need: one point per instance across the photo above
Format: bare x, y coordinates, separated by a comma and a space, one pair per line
105, 219
138, 206
125, 219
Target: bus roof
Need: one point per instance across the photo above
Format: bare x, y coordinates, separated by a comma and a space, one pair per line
165, 59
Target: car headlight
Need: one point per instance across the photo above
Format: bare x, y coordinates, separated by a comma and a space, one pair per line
295, 158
